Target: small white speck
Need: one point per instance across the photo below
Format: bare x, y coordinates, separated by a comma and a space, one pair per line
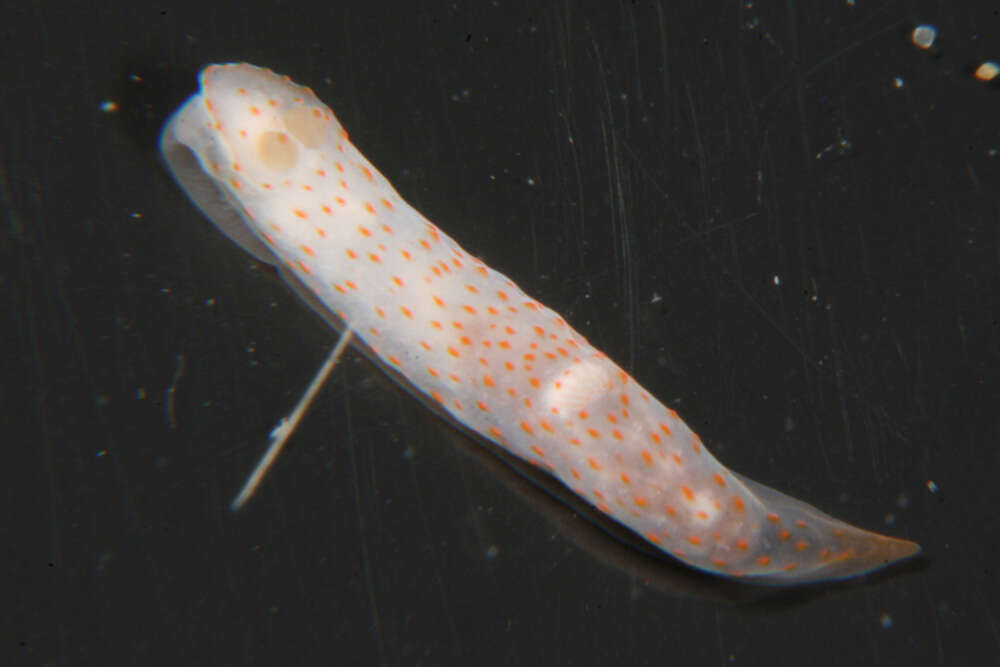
109, 106
210, 302
932, 486
656, 298
924, 36
135, 216
135, 78
140, 394
776, 280
987, 71
102, 453
493, 551
898, 82
530, 182
885, 620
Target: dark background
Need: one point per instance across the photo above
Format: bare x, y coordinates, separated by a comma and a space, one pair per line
782, 218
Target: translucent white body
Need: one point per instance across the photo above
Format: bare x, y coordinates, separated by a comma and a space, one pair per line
271, 165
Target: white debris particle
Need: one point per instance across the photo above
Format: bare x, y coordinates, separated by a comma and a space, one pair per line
776, 280
109, 106
932, 486
897, 82
924, 36
987, 71
885, 620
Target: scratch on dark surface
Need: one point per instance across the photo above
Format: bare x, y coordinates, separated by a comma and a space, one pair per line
171, 390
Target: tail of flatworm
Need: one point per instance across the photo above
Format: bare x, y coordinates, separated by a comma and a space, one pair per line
272, 167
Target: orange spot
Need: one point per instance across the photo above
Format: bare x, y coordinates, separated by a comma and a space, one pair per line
718, 562
433, 372
671, 511
773, 518
719, 480
654, 538
626, 478
790, 567
436, 395
547, 426
352, 254
656, 438
677, 458
396, 361
593, 463
617, 434
406, 311
742, 544
576, 473
801, 545
470, 310
439, 301
495, 431
425, 345
688, 493
694, 539
453, 352
482, 406
665, 429
351, 284
647, 457
406, 254
527, 428
738, 504
764, 560
535, 382
364, 230
784, 535
299, 213
375, 258
307, 250
538, 450
466, 340
594, 433
488, 381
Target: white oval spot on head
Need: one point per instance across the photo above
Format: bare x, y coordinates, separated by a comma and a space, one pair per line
307, 124
276, 151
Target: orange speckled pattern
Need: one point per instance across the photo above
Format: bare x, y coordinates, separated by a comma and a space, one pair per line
496, 360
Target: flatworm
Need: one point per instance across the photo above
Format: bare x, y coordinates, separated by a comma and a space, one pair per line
272, 167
